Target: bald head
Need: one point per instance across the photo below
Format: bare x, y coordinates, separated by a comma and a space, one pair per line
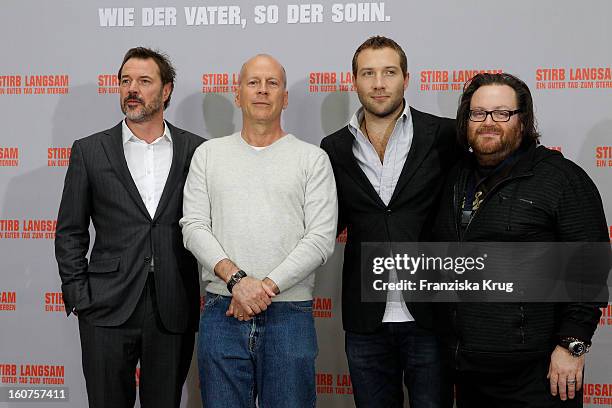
253, 62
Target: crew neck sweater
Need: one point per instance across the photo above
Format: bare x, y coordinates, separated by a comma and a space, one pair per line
273, 212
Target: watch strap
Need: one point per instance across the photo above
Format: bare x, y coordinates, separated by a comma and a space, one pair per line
234, 279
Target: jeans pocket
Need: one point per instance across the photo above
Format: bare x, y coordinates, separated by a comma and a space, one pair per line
303, 306
211, 299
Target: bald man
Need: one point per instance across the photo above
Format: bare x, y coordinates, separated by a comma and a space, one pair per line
260, 215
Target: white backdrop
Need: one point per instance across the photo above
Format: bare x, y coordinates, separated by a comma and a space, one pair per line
57, 84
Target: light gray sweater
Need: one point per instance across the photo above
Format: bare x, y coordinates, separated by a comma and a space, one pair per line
273, 212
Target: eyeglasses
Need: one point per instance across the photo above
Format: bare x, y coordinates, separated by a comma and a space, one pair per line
497, 115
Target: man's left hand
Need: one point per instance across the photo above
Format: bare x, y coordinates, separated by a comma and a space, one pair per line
238, 312
565, 373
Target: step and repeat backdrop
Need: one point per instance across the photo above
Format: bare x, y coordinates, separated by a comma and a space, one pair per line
58, 83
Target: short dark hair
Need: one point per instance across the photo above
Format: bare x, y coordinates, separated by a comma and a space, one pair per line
523, 97
377, 42
166, 70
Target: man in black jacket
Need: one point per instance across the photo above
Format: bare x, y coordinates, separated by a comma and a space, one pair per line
389, 163
137, 298
512, 190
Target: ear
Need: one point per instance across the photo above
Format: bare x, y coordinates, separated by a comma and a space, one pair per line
237, 97
406, 80
166, 91
285, 99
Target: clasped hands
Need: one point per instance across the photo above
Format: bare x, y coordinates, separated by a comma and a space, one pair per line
250, 297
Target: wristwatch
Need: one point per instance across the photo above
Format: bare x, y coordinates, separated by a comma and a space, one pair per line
234, 279
575, 346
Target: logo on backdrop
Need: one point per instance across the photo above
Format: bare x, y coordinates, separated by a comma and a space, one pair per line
12, 373
9, 156
58, 156
449, 80
573, 78
334, 383
341, 239
322, 307
54, 302
603, 156
34, 84
219, 82
27, 229
365, 12
597, 394
606, 316
330, 81
8, 301
108, 84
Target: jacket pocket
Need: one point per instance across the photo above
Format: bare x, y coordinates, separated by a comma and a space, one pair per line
104, 265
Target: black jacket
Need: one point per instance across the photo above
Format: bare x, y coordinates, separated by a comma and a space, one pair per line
99, 187
544, 198
407, 218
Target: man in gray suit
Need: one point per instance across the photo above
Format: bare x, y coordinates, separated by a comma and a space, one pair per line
137, 298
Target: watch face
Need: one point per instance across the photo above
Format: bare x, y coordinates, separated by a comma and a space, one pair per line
577, 348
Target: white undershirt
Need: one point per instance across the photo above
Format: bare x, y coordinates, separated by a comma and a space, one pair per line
149, 164
258, 148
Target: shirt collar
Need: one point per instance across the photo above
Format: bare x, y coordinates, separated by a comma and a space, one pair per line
355, 122
127, 134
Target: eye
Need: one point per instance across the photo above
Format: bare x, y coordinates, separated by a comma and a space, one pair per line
367, 73
478, 115
125, 81
502, 115
252, 82
389, 72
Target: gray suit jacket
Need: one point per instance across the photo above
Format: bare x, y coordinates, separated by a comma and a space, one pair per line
99, 187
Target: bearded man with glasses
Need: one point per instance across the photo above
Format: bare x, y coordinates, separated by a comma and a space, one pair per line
511, 189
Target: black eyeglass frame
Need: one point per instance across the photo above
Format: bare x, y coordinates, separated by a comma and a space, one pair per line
487, 113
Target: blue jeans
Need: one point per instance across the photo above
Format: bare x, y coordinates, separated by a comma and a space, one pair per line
270, 358
379, 361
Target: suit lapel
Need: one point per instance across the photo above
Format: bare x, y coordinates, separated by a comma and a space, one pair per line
179, 155
347, 159
113, 147
422, 141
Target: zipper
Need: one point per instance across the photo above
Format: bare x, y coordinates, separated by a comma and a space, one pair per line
457, 345
457, 210
522, 324
524, 200
461, 238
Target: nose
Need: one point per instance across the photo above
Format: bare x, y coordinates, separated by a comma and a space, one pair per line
263, 89
379, 82
133, 87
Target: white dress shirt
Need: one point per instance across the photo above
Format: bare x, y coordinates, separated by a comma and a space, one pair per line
383, 177
149, 164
